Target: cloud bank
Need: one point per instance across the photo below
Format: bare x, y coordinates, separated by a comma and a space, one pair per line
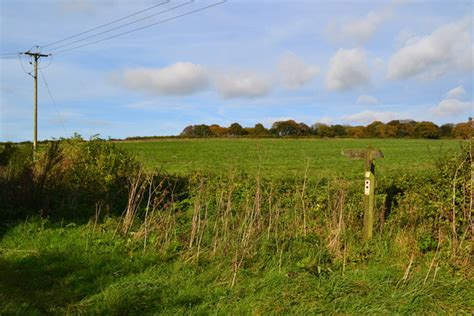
242, 84
367, 117
448, 49
182, 78
358, 30
294, 72
347, 69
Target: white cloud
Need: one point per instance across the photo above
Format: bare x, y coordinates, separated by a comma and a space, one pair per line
347, 69
182, 78
295, 72
452, 107
358, 30
447, 49
243, 84
367, 99
456, 93
367, 117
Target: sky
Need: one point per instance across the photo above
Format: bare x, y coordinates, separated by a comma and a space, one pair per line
246, 61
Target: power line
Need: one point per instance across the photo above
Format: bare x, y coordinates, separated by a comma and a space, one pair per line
22, 66
7, 54
53, 101
141, 28
107, 24
123, 25
49, 64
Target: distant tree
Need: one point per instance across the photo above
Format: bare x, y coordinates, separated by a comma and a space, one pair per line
355, 131
249, 131
322, 130
217, 131
315, 127
235, 129
260, 130
305, 130
387, 131
201, 130
372, 130
427, 130
188, 131
338, 130
446, 130
286, 128
464, 130
403, 128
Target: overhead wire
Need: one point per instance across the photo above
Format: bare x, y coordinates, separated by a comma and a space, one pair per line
49, 64
7, 54
53, 101
122, 26
107, 24
22, 66
140, 28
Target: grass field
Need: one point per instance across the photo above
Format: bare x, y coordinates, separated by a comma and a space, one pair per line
288, 157
105, 238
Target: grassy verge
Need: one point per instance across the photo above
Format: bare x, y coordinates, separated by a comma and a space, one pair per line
49, 268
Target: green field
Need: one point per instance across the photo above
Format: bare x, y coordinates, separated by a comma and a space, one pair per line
288, 157
190, 228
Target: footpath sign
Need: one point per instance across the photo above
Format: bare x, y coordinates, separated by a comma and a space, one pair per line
369, 154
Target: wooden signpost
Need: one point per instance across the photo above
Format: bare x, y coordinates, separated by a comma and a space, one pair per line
369, 154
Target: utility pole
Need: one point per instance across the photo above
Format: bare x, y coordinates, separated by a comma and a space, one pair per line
36, 57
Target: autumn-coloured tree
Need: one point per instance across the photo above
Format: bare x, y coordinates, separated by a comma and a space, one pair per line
372, 130
217, 131
464, 130
355, 131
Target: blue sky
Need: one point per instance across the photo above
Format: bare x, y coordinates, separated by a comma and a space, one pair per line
348, 62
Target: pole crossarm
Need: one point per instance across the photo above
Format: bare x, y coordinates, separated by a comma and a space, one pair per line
36, 55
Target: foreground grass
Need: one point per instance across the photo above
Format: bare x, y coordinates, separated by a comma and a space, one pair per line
58, 268
288, 157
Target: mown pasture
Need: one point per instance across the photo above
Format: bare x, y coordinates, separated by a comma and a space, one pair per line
288, 158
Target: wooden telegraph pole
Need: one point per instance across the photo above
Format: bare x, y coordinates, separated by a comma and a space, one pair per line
36, 57
369, 155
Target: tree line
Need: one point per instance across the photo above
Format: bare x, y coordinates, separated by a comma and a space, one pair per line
376, 129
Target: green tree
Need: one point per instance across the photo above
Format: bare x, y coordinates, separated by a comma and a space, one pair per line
260, 130
235, 129
286, 128
446, 130
322, 130
427, 130
338, 130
